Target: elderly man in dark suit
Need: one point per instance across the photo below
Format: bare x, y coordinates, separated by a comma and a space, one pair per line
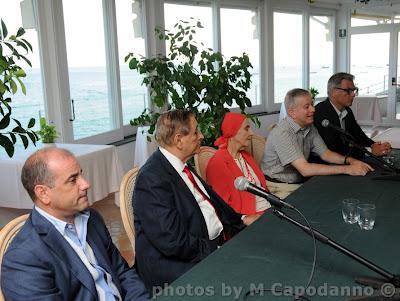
179, 219
336, 109
64, 251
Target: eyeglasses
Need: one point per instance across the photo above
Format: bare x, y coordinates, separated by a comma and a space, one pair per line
349, 90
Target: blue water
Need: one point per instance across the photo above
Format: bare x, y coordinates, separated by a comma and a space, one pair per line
91, 101
90, 93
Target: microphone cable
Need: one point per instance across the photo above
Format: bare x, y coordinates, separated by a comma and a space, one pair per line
310, 278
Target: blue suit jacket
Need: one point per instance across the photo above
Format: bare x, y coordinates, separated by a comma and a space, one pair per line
171, 234
40, 264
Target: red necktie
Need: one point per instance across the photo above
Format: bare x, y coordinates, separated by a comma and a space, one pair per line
187, 171
191, 178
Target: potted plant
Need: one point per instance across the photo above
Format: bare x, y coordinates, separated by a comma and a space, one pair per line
314, 92
47, 132
194, 78
10, 73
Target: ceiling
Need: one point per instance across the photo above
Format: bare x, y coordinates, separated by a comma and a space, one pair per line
389, 7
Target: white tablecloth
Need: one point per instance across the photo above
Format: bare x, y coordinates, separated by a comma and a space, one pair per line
143, 148
391, 135
366, 110
100, 165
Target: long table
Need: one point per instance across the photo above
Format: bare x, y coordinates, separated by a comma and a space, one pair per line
100, 165
273, 253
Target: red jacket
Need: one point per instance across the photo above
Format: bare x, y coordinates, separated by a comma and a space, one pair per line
222, 171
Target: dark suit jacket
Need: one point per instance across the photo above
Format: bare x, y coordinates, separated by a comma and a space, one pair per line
40, 264
171, 234
333, 140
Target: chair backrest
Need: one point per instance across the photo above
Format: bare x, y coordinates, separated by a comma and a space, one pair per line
201, 160
125, 203
256, 147
6, 236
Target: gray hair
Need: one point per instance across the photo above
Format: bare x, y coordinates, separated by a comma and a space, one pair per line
292, 94
336, 80
171, 123
36, 171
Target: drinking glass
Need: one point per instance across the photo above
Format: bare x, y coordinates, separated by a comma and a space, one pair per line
366, 216
349, 210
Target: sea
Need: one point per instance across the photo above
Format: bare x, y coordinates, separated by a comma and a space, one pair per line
88, 88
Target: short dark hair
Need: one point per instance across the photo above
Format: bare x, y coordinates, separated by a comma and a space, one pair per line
170, 123
292, 94
36, 172
336, 80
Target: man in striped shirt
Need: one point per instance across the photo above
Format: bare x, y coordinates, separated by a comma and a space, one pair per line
291, 142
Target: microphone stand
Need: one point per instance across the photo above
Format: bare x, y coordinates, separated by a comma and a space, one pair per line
389, 277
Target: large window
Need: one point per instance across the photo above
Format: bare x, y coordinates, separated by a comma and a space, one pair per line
84, 34
227, 38
321, 52
31, 105
371, 71
245, 31
288, 54
131, 32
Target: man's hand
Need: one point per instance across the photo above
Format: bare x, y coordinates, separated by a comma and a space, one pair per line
358, 168
249, 219
381, 149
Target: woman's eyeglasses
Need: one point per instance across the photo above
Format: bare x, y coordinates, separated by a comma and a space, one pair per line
349, 90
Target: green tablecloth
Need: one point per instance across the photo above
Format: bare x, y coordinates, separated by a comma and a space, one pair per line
275, 253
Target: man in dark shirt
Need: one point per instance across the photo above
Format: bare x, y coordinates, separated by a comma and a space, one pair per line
336, 109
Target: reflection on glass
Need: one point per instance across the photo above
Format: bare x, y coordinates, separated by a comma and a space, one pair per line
288, 47
246, 32
87, 66
130, 39
321, 52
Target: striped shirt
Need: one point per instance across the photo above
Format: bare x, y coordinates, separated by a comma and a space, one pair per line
286, 143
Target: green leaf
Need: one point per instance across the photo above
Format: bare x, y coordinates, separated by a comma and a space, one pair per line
5, 121
133, 64
26, 60
31, 123
25, 140
28, 44
32, 137
13, 86
11, 47
17, 122
13, 138
19, 129
20, 32
4, 29
23, 88
19, 43
6, 143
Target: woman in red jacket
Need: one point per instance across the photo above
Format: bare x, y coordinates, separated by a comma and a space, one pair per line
232, 161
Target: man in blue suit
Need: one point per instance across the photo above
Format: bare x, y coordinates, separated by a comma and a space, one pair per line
179, 219
64, 251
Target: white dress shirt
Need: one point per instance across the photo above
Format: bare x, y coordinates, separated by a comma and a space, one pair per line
213, 223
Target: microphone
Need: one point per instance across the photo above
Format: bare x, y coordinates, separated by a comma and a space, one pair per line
242, 184
327, 124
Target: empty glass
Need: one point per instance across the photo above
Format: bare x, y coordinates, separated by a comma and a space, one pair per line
349, 210
366, 216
